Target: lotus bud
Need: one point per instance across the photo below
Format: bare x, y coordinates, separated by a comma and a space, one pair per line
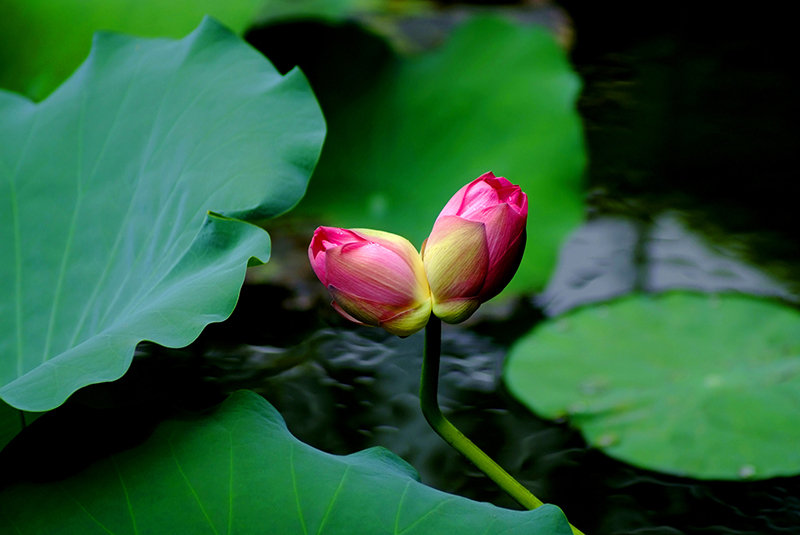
475, 246
375, 278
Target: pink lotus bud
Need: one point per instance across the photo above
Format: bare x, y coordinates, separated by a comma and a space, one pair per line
375, 278
475, 246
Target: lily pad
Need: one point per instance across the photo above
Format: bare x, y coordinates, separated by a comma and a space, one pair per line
698, 385
239, 470
497, 96
106, 232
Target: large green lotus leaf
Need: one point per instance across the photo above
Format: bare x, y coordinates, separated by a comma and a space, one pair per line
239, 470
42, 41
496, 96
698, 385
106, 237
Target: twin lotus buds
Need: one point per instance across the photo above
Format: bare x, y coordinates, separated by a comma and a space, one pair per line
475, 247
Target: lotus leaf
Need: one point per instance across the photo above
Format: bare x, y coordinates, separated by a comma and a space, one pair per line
239, 470
122, 197
690, 384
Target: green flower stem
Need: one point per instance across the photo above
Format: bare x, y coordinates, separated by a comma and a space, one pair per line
429, 400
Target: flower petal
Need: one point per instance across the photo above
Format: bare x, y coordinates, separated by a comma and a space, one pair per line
409, 321
455, 310
363, 310
463, 197
401, 321
326, 238
342, 312
456, 258
503, 268
503, 227
405, 250
369, 271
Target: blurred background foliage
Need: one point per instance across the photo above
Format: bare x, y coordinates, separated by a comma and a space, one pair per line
42, 42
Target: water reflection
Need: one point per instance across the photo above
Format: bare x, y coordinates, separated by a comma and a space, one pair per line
610, 256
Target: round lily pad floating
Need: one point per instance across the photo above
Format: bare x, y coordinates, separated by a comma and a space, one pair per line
694, 385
